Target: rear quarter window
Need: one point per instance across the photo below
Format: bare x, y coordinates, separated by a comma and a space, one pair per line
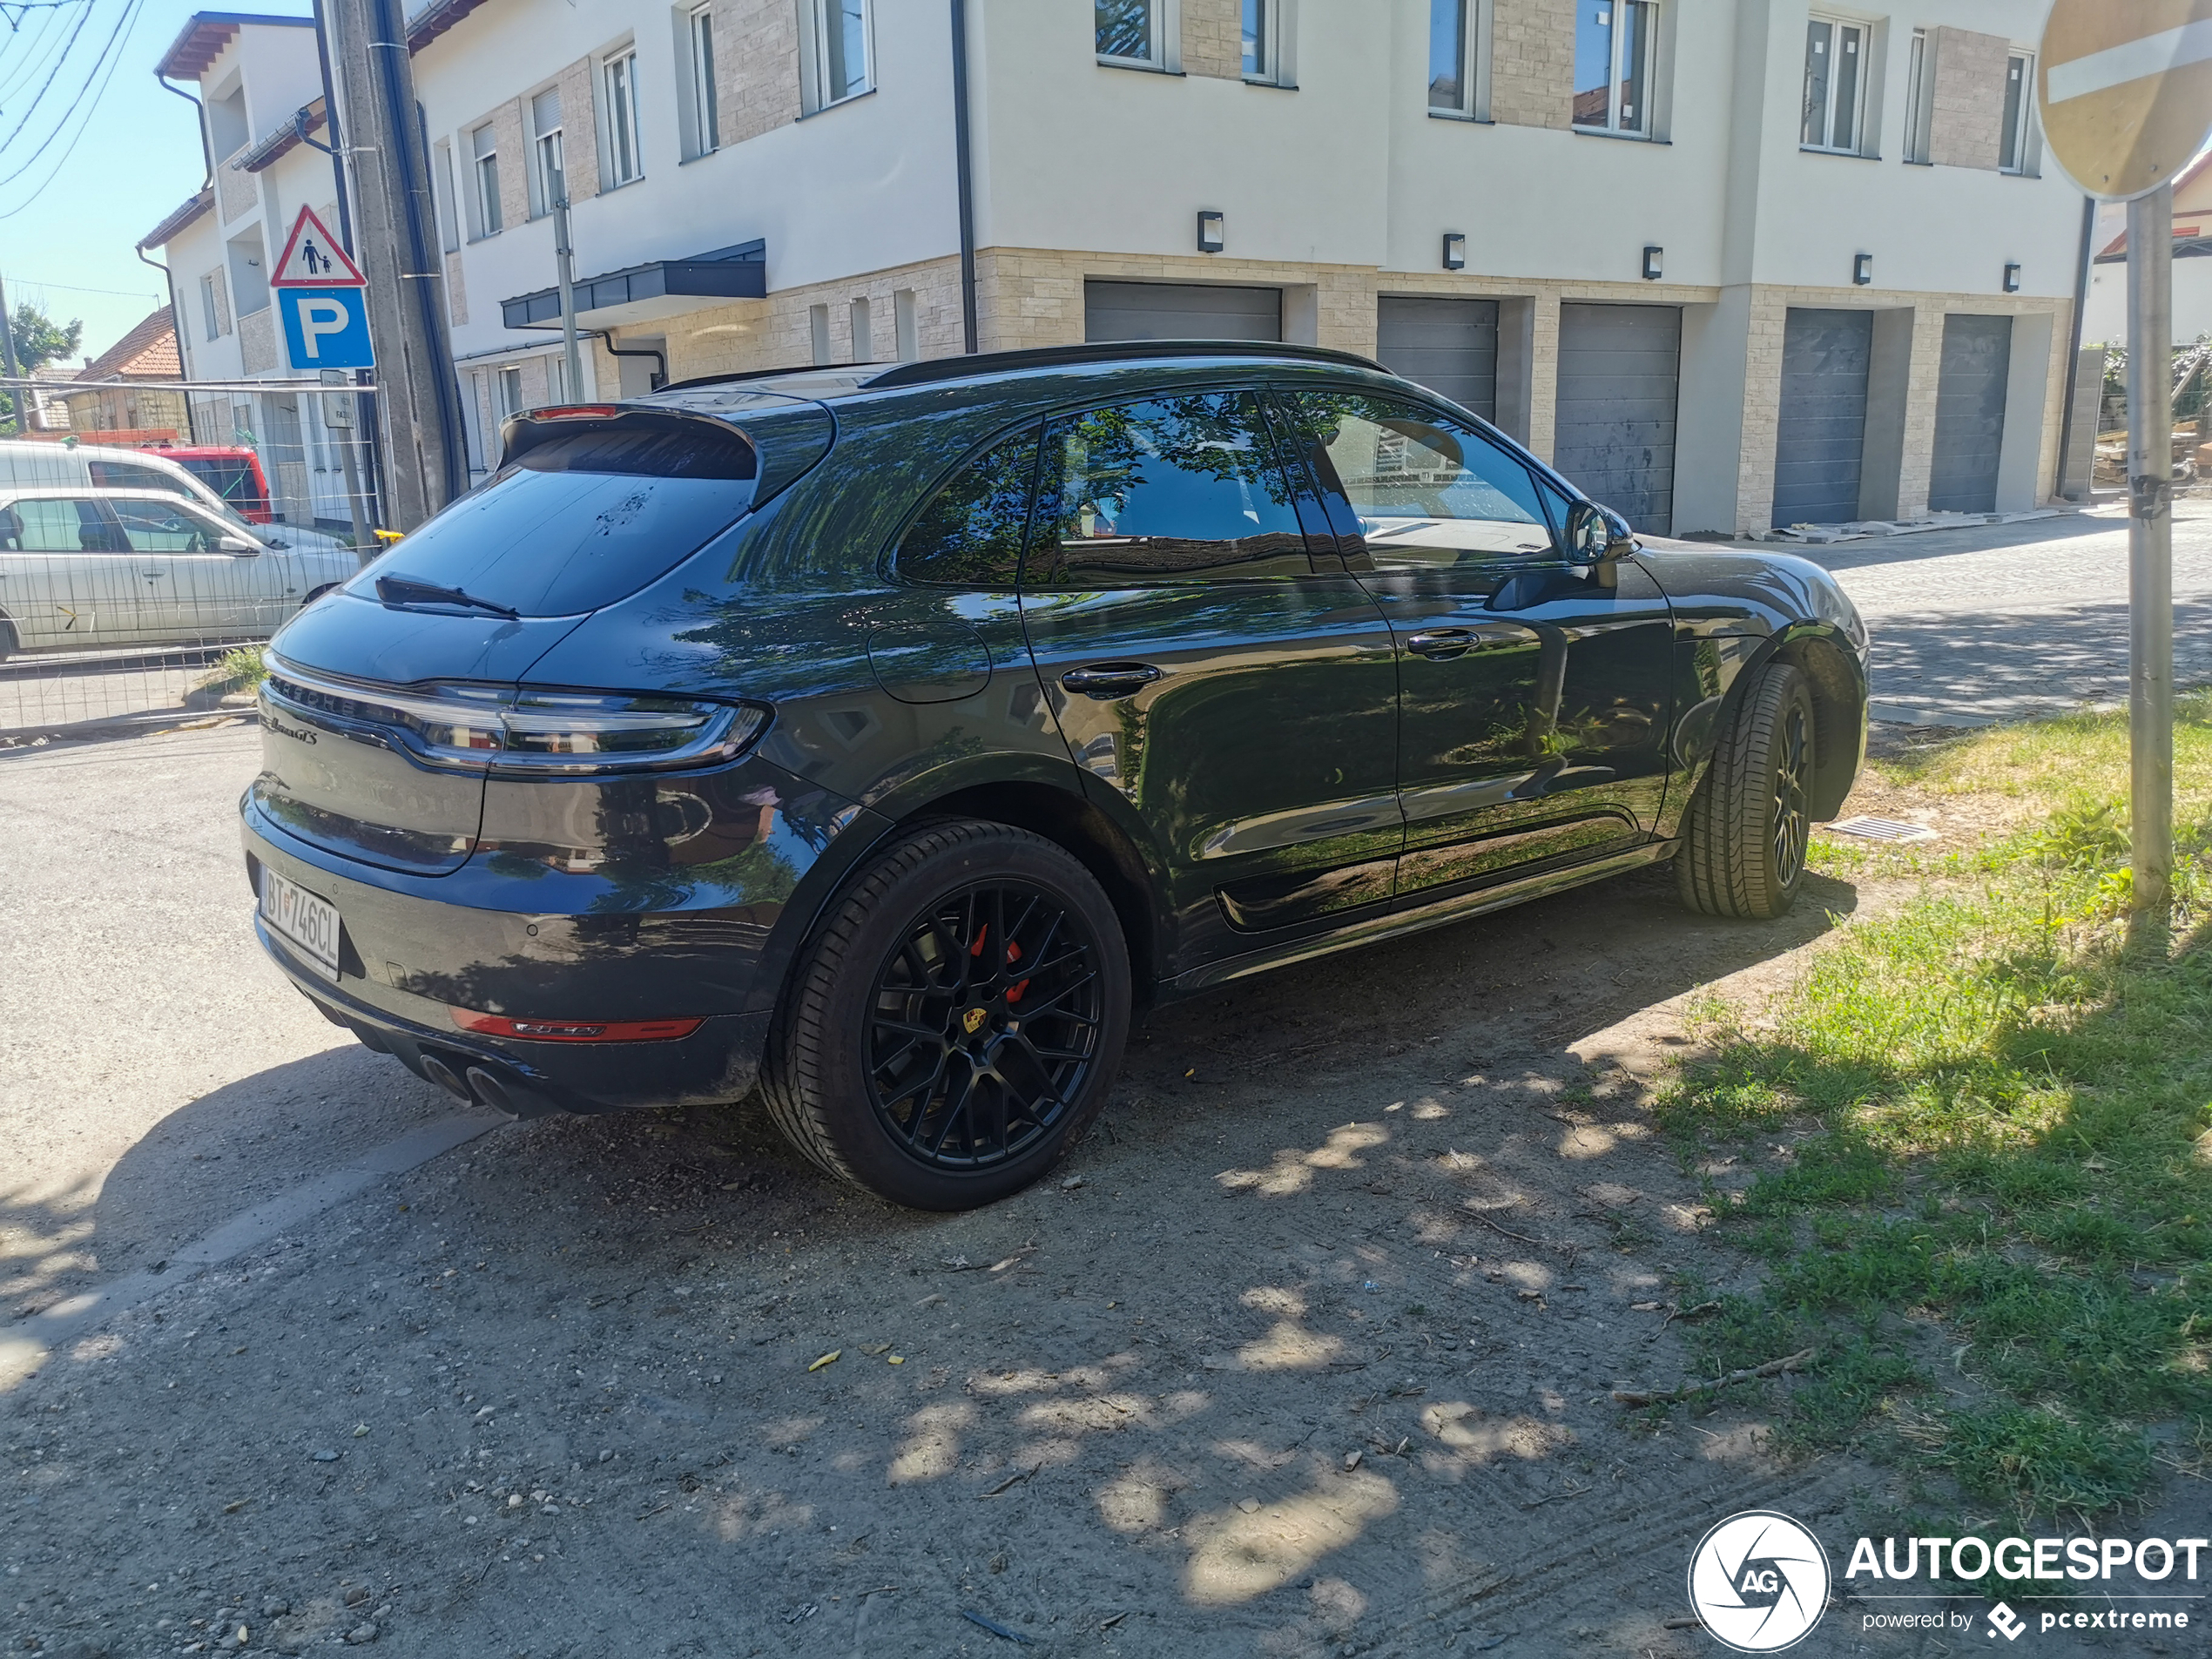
579, 520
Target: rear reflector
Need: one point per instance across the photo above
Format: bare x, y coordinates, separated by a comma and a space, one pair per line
577, 411
498, 1025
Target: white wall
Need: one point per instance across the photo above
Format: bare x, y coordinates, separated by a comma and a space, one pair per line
2105, 318
858, 187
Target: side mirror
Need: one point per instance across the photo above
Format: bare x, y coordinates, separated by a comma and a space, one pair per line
237, 547
1596, 534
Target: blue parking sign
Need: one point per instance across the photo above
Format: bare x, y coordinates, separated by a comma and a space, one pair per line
325, 327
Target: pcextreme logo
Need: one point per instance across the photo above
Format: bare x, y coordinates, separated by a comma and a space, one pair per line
1759, 1581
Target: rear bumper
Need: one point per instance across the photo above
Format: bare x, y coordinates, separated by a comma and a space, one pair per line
716, 1062
407, 959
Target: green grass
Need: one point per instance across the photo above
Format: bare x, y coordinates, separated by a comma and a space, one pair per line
238, 669
1982, 1134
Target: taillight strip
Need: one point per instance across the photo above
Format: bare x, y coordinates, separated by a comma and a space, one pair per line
500, 1025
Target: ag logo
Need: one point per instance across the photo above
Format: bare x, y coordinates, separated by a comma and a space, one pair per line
972, 1022
1759, 1581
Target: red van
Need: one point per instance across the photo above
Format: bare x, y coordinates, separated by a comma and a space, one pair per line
235, 475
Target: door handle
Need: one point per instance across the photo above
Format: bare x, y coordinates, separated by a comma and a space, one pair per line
1106, 681
1440, 645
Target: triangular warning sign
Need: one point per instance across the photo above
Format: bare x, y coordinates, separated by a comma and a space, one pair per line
313, 259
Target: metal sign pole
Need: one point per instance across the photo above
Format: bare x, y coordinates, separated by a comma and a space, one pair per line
2150, 563
564, 269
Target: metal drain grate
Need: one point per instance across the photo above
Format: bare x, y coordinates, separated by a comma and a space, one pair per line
1881, 829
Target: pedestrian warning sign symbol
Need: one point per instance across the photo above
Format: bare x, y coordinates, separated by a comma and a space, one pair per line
313, 259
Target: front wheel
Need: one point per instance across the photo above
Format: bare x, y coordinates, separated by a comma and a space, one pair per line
954, 1027
1743, 839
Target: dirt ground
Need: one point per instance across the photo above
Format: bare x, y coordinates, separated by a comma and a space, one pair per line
1306, 1350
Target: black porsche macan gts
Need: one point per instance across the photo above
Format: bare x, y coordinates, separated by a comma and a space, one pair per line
890, 736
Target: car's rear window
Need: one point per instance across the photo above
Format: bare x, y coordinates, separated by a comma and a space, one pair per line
228, 479
579, 520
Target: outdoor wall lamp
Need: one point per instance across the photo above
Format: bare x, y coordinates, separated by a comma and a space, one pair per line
2012, 279
1212, 232
1861, 269
1455, 251
1654, 266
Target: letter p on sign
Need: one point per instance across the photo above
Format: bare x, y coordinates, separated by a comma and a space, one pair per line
325, 327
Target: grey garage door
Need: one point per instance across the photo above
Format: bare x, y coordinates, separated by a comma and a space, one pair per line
1619, 370
1820, 440
1449, 346
1172, 311
1970, 414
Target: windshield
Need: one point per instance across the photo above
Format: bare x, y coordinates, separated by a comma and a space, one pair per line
578, 521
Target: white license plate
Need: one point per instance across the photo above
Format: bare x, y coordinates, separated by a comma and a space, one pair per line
309, 922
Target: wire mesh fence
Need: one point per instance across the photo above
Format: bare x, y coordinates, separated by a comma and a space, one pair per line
141, 567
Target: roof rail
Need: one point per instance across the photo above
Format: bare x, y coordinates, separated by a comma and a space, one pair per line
1108, 351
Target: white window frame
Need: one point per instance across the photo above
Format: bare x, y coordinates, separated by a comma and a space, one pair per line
2022, 136
1919, 98
698, 63
483, 175
1277, 54
443, 198
549, 156
1611, 127
506, 392
1470, 103
207, 305
1158, 51
625, 147
815, 53
1861, 90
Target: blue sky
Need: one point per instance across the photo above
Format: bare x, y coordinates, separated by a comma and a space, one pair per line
70, 218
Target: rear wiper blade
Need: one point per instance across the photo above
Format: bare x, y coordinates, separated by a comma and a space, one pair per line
402, 591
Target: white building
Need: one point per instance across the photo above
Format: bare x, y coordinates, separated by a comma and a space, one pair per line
259, 83
1726, 264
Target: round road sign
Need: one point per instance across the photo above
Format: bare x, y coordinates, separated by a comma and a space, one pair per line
2125, 88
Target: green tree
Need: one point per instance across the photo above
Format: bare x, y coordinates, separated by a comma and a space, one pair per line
39, 339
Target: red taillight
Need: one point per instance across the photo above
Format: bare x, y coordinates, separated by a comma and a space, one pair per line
575, 412
498, 1025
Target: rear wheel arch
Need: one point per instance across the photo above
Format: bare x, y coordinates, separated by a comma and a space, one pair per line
10, 641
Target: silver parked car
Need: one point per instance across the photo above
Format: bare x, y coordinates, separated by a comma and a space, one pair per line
80, 568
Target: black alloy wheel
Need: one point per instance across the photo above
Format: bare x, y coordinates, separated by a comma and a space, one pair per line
954, 1026
985, 1025
1793, 773
1744, 835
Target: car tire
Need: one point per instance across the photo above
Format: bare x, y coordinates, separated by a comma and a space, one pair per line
1743, 851
909, 1055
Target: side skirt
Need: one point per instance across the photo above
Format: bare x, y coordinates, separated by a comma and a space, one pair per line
1436, 914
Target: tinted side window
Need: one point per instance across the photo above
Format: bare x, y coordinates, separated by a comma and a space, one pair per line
1171, 490
1429, 491
115, 474
970, 534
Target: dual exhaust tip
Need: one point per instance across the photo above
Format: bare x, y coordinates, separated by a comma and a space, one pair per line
480, 1088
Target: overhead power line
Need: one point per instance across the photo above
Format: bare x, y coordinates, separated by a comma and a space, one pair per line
87, 106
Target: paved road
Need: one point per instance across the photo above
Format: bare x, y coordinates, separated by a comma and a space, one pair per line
2017, 619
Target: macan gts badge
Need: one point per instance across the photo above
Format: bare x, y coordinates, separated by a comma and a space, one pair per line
889, 738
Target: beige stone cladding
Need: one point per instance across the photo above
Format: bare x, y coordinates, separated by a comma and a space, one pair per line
1213, 38
1763, 386
756, 67
579, 131
456, 290
777, 331
1966, 121
236, 192
1532, 63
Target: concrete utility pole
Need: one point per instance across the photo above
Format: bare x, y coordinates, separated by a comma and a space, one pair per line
564, 271
2150, 560
18, 393
395, 228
